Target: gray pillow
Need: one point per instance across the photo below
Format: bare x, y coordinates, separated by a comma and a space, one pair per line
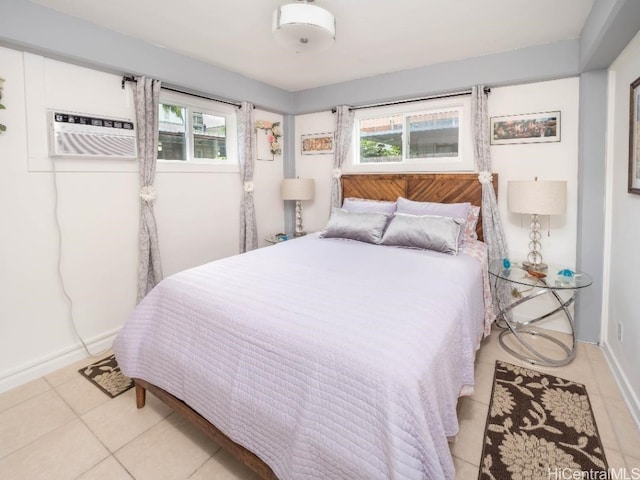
362, 226
429, 232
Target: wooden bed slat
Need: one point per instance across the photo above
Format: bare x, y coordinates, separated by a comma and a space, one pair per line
373, 187
421, 187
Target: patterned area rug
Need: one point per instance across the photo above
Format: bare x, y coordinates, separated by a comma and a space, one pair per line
539, 427
106, 375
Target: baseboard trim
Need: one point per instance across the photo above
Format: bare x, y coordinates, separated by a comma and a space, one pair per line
630, 397
50, 363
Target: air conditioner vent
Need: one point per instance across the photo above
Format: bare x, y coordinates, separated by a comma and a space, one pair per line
78, 135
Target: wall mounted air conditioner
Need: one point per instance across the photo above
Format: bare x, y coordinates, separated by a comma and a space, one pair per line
74, 135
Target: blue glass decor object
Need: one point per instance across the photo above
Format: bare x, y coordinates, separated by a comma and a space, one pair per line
506, 263
566, 273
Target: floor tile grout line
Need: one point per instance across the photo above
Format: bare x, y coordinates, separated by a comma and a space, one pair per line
2, 458
111, 455
45, 433
79, 418
27, 398
146, 431
606, 410
203, 463
94, 465
123, 466
466, 461
142, 433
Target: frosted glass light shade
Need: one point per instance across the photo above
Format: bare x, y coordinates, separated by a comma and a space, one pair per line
303, 27
297, 189
537, 197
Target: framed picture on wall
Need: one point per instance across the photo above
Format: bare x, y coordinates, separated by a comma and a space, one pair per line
526, 128
316, 143
268, 139
634, 130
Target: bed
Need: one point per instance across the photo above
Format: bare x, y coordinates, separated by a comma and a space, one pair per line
322, 357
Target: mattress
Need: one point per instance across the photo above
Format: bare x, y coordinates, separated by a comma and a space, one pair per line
327, 358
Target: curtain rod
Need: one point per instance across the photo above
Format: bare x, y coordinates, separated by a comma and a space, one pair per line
411, 100
129, 78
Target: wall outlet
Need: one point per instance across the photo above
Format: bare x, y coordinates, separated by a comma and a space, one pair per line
619, 332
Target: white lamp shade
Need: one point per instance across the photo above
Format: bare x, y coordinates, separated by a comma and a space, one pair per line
538, 197
298, 189
302, 27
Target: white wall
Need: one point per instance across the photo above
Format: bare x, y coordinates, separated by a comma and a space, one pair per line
547, 161
622, 262
197, 212
319, 167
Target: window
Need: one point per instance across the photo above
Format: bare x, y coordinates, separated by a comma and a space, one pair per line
432, 135
194, 130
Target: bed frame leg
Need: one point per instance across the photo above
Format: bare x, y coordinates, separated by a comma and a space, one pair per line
141, 396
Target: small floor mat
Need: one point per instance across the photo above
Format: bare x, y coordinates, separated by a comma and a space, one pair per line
106, 375
539, 426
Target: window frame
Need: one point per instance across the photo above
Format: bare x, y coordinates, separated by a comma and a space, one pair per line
464, 162
211, 107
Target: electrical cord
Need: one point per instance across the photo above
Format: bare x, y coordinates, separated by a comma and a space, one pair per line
60, 276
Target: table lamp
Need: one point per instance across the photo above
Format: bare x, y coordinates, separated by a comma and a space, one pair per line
537, 198
298, 189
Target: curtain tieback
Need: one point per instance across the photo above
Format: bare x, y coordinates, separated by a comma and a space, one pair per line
147, 193
485, 177
337, 173
248, 187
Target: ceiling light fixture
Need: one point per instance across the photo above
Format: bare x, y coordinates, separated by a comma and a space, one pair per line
304, 27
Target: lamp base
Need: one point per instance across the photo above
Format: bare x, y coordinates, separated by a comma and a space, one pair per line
536, 267
299, 230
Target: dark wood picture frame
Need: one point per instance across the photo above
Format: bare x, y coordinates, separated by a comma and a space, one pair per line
634, 138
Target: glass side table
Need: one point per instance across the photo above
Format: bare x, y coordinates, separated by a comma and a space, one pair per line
278, 238
553, 283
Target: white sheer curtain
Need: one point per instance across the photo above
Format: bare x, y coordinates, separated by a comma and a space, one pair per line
344, 131
246, 149
491, 223
147, 94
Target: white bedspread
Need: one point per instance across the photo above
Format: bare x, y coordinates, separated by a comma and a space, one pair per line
327, 358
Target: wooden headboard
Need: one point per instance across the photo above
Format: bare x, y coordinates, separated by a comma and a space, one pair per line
422, 187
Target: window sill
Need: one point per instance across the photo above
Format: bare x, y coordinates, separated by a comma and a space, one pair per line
178, 166
416, 166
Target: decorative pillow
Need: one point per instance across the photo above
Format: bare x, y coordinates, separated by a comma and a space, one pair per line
452, 210
469, 230
363, 205
429, 232
362, 226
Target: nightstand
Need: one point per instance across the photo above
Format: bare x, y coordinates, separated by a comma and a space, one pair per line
278, 238
552, 283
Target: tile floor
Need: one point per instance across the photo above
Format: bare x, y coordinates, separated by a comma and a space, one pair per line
61, 427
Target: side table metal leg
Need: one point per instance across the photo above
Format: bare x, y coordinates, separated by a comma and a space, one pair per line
521, 330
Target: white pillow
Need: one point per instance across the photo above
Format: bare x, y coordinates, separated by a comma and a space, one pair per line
364, 205
453, 210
